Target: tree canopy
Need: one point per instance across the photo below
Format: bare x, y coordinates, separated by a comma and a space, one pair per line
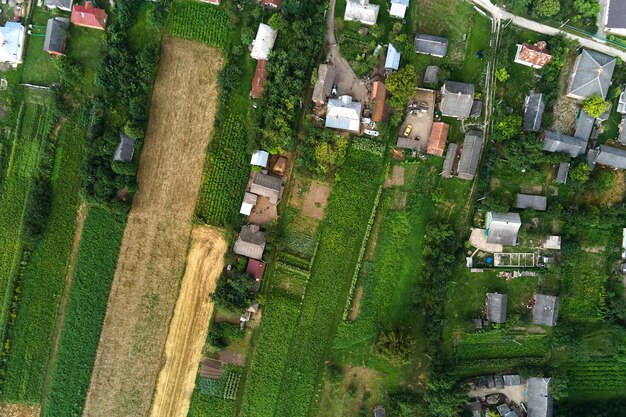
401, 85
595, 105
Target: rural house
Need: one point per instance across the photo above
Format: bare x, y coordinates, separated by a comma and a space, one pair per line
496, 307
558, 142
591, 75
438, 138
344, 114
263, 42
608, 156
125, 149
250, 242
545, 309
533, 112
361, 11
536, 202
448, 163
562, 173
457, 99
392, 61
267, 186
470, 154
502, 228
56, 35
431, 75
398, 8
65, 5
259, 158
615, 18
584, 125
431, 45
248, 203
255, 269
379, 99
12, 36
258, 81
535, 56
89, 16
538, 398
324, 84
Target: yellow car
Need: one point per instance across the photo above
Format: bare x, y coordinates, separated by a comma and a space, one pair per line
408, 130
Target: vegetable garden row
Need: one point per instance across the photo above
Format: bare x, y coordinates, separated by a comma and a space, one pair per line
491, 345
200, 22
603, 375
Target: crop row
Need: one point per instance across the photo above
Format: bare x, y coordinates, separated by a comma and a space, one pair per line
472, 347
483, 366
203, 405
299, 244
598, 374
294, 261
44, 276
226, 175
200, 22
84, 316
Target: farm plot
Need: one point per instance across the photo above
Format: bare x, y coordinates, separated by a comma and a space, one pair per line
598, 377
190, 323
152, 256
199, 22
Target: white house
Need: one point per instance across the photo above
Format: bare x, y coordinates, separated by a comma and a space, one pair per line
362, 11
344, 114
12, 43
398, 8
264, 42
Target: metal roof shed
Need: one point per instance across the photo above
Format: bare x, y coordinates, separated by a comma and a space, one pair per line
584, 125
398, 8
250, 242
263, 42
612, 157
562, 173
125, 149
470, 154
344, 114
431, 45
249, 200
267, 186
533, 112
259, 158
545, 310
537, 202
392, 61
457, 99
502, 228
496, 307
558, 142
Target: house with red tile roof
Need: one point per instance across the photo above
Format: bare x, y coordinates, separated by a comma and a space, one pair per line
89, 16
535, 56
438, 138
380, 112
258, 81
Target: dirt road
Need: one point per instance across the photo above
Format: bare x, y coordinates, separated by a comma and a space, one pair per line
154, 247
190, 323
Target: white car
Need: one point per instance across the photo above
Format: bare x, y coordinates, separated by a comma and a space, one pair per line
372, 132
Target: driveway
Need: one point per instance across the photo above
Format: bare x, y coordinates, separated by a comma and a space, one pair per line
422, 122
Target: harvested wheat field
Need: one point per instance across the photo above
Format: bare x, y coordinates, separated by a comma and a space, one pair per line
154, 247
190, 324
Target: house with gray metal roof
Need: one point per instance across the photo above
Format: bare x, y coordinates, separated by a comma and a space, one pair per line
545, 310
431, 45
584, 125
502, 228
562, 173
448, 163
457, 99
592, 75
250, 242
470, 154
59, 4
558, 142
496, 308
609, 156
536, 202
267, 186
533, 112
615, 17
56, 35
392, 60
538, 398
344, 114
125, 149
324, 84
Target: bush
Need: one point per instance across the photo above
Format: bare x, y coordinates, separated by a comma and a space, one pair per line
397, 345
595, 105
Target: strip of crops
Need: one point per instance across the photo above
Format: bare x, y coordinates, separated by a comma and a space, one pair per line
200, 22
264, 380
487, 346
603, 375
44, 276
226, 175
483, 366
203, 405
341, 234
22, 153
84, 315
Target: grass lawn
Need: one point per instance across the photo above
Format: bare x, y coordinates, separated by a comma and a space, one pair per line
86, 47
38, 67
611, 126
143, 33
473, 69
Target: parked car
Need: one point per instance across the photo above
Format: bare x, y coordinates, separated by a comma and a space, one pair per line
407, 130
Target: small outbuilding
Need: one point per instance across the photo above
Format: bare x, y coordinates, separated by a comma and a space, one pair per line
380, 111
65, 5
125, 149
431, 45
392, 60
380, 411
457, 99
272, 4
438, 138
562, 173
263, 42
12, 37
431, 75
250, 242
496, 308
610, 157
267, 186
248, 203
255, 269
558, 142
502, 228
545, 310
259, 78
324, 84
470, 155
584, 125
535, 56
535, 202
533, 112
552, 242
56, 35
260, 158
408, 143
398, 8
512, 380
448, 163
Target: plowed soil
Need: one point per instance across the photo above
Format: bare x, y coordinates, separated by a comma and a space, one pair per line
154, 248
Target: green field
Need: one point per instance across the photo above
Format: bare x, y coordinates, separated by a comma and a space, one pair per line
44, 276
200, 22
84, 315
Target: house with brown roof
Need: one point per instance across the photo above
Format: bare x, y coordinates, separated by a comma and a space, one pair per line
379, 99
89, 16
258, 81
255, 269
438, 138
535, 56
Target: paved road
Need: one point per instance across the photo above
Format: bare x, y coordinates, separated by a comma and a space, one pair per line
499, 13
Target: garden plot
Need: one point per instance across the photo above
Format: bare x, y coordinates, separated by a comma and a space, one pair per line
152, 257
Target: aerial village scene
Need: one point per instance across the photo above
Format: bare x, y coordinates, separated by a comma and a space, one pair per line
313, 208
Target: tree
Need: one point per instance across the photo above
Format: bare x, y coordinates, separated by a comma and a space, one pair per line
397, 344
525, 152
445, 396
507, 126
401, 84
586, 9
330, 155
519, 7
580, 173
234, 292
277, 22
247, 35
595, 105
502, 74
546, 8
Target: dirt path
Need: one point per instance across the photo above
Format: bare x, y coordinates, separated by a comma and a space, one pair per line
81, 214
18, 410
190, 323
154, 247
